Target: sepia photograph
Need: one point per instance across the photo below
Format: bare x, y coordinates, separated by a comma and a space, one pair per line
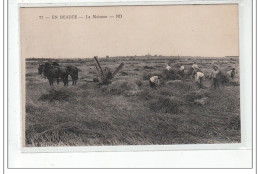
130, 75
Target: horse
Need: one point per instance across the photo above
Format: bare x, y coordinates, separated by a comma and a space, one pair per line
52, 73
63, 74
73, 72
41, 69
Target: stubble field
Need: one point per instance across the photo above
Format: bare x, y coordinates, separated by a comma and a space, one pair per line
128, 111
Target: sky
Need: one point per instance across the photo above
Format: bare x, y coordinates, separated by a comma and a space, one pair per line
184, 30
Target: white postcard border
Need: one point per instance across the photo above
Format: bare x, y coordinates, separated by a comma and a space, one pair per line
14, 114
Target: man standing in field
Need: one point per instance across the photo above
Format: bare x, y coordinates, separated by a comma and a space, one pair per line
214, 77
231, 73
154, 81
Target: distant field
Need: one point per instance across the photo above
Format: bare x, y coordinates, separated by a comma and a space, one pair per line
128, 111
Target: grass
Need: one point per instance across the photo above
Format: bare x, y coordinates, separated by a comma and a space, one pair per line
165, 104
57, 95
128, 111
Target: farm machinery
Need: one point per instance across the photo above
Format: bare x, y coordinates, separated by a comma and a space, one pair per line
105, 76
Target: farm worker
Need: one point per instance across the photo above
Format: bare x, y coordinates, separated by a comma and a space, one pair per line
214, 75
154, 81
168, 67
231, 73
199, 78
182, 70
195, 67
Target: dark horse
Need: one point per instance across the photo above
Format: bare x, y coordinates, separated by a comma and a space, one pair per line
52, 73
73, 72
40, 69
63, 73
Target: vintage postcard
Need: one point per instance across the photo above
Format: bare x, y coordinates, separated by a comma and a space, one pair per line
130, 75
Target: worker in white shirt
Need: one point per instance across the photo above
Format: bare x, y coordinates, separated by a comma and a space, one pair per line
168, 67
199, 78
231, 73
195, 68
154, 81
182, 70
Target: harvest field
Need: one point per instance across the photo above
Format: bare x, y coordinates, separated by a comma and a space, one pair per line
128, 111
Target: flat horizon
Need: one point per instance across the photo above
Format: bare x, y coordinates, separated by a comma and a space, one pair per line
131, 57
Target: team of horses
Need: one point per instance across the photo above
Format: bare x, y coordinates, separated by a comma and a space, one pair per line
53, 71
